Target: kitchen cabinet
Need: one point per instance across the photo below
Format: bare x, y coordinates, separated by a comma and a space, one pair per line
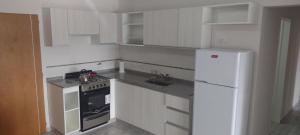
190, 27
165, 27
128, 103
156, 112
153, 111
161, 27
132, 28
178, 115
82, 22
141, 107
148, 28
64, 109
55, 23
108, 29
178, 103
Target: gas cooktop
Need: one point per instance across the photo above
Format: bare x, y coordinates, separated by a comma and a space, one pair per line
93, 83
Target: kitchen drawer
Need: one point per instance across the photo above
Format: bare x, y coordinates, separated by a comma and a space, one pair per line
173, 130
181, 104
178, 118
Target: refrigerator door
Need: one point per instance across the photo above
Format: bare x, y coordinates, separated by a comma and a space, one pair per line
217, 67
214, 109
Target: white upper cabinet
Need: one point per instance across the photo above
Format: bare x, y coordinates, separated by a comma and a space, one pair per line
55, 23
83, 22
148, 28
190, 27
165, 27
108, 29
161, 27
132, 28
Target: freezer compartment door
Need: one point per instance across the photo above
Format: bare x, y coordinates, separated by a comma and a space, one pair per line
217, 67
214, 110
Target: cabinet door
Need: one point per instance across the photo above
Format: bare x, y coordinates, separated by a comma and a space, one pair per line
108, 27
128, 104
148, 28
82, 22
165, 27
190, 27
153, 111
58, 29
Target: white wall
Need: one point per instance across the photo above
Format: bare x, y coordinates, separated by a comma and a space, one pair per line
20, 6
279, 2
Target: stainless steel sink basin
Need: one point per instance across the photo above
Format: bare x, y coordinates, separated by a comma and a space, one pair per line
158, 82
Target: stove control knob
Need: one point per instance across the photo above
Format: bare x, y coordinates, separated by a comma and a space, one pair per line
90, 88
93, 87
104, 84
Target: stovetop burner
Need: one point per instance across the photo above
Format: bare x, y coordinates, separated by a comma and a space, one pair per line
93, 83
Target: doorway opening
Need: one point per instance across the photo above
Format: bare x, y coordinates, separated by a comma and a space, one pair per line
285, 109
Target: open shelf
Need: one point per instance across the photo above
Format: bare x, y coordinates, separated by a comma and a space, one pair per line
238, 13
132, 27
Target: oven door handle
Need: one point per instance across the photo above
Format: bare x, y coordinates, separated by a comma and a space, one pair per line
97, 116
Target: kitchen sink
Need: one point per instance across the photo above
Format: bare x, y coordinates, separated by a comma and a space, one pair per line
159, 81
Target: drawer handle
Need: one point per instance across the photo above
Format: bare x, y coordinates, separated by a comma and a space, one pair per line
174, 109
177, 126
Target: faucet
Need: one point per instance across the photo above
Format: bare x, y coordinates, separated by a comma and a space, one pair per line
156, 75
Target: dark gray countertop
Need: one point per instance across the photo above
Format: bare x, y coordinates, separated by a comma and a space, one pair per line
180, 88
63, 83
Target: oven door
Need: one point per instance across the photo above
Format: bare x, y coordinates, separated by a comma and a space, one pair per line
94, 108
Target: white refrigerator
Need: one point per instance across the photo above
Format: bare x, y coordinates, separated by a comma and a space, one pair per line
223, 83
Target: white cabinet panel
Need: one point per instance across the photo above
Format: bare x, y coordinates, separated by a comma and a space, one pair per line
141, 107
153, 111
108, 25
148, 28
178, 118
64, 109
55, 23
165, 27
128, 106
83, 22
178, 103
190, 27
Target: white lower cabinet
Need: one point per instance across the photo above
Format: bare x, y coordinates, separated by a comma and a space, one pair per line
140, 107
64, 109
147, 109
174, 130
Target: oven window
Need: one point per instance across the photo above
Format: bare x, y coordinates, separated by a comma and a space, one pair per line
96, 102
